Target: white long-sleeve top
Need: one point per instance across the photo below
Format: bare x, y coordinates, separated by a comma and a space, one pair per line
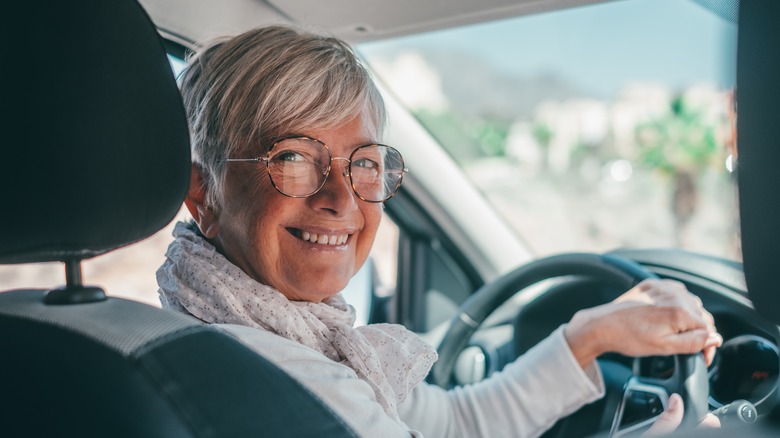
523, 400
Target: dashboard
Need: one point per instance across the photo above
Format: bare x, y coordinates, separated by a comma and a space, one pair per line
746, 367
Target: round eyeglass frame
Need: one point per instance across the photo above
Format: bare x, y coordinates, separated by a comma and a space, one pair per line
331, 158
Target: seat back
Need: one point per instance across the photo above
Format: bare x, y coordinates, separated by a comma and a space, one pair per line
119, 368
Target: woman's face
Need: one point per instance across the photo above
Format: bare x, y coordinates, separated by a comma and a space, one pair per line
261, 230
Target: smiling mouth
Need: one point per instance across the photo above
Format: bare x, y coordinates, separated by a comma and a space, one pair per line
319, 239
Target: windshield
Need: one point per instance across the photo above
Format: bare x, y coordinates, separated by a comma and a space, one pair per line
588, 129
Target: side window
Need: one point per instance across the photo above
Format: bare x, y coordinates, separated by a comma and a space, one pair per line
384, 256
177, 65
446, 288
127, 272
375, 284
411, 278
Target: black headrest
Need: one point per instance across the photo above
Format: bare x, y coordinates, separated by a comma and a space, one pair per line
758, 93
94, 148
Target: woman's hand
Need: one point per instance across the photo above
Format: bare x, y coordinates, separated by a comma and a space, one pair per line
656, 317
671, 418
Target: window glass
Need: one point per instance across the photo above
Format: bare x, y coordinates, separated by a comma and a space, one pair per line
377, 277
589, 128
177, 65
446, 288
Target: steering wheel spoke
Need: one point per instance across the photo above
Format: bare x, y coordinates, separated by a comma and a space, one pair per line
646, 397
641, 404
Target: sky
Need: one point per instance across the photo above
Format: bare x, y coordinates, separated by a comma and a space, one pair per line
676, 42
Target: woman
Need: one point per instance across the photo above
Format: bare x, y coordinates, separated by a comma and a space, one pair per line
287, 182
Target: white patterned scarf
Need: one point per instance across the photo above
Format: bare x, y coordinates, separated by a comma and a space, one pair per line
198, 280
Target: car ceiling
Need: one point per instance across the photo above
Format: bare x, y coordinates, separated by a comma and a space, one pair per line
190, 21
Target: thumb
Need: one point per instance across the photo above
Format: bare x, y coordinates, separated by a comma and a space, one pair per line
669, 419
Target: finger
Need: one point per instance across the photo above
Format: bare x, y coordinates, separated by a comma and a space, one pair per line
637, 293
670, 418
714, 340
675, 285
653, 288
709, 318
674, 294
692, 341
668, 287
709, 355
683, 320
710, 421
650, 288
647, 284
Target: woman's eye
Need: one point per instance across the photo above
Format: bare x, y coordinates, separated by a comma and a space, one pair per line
289, 156
365, 163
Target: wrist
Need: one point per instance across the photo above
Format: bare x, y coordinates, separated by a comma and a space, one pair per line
582, 335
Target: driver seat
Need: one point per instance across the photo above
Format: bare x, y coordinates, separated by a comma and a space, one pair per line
95, 156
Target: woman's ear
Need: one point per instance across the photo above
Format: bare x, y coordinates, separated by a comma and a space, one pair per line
204, 215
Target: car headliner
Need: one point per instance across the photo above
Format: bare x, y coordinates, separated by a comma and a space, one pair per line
191, 21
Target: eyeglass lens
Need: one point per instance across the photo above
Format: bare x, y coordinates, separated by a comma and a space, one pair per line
299, 166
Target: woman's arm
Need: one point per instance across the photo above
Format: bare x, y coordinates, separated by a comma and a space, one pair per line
548, 382
548, 375
523, 400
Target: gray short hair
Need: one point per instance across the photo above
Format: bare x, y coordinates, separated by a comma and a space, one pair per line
266, 83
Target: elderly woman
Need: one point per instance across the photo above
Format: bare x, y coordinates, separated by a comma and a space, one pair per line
288, 179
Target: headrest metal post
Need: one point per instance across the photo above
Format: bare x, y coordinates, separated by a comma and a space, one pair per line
74, 291
73, 273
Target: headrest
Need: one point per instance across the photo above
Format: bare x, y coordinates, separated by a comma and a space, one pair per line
94, 147
758, 92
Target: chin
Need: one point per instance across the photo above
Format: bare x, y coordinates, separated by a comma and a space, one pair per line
305, 292
327, 293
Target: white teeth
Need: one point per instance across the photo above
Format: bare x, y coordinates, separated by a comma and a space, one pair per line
324, 239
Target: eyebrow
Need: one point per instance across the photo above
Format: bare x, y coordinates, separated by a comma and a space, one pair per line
366, 141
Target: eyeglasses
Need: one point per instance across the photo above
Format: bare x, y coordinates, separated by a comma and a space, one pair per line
299, 166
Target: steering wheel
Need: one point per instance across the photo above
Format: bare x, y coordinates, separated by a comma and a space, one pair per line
689, 378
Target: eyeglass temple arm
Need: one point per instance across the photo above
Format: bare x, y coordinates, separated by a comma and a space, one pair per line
256, 160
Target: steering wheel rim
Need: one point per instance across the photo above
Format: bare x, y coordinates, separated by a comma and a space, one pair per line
473, 312
690, 373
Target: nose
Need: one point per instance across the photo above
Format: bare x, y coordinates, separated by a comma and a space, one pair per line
344, 168
336, 195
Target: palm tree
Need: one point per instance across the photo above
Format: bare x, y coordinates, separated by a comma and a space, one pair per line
681, 144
